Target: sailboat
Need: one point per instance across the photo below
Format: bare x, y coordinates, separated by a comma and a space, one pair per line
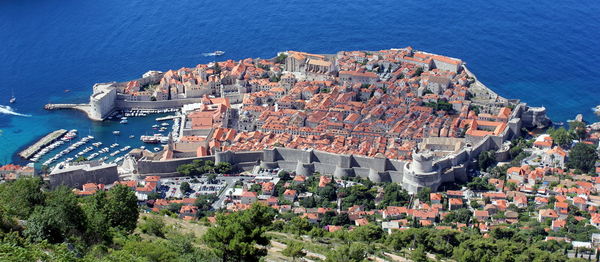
13, 99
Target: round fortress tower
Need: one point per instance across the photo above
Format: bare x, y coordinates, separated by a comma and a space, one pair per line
422, 162
421, 173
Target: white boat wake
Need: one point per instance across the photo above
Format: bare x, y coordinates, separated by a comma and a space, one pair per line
7, 110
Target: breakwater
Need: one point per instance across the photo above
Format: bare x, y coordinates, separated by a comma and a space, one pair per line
37, 146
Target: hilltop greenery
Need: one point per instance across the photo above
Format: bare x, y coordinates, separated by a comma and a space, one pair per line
38, 224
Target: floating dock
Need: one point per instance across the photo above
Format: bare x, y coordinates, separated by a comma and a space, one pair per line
49, 138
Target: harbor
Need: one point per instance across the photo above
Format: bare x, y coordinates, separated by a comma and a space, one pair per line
108, 141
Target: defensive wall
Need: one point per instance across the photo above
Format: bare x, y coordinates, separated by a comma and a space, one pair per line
82, 173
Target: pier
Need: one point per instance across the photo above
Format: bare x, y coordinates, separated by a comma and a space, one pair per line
167, 118
49, 138
83, 107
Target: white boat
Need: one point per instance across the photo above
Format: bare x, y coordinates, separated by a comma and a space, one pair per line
131, 136
123, 121
116, 132
156, 149
215, 53
13, 99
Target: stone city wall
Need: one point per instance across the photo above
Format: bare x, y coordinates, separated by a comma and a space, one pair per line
78, 177
145, 167
162, 104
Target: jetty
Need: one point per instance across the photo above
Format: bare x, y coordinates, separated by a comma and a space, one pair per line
83, 107
49, 138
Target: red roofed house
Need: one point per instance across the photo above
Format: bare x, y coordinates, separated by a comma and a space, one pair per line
188, 211
558, 224
268, 188
561, 207
481, 215
436, 198
455, 203
543, 142
580, 203
361, 222
595, 220
248, 197
290, 195
547, 213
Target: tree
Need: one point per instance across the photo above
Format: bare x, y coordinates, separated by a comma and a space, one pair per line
80, 159
423, 194
121, 208
284, 175
418, 255
480, 183
223, 168
153, 226
211, 178
255, 188
367, 233
154, 196
327, 192
185, 187
60, 218
298, 226
240, 236
560, 136
204, 203
419, 71
583, 157
486, 159
577, 128
462, 215
19, 198
97, 226
394, 195
354, 252
280, 58
294, 250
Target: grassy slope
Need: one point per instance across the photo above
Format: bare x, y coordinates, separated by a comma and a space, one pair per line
316, 249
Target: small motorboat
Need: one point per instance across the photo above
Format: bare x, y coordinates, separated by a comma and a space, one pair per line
215, 53
13, 99
116, 132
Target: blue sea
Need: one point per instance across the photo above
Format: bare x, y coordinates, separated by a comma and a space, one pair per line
543, 52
